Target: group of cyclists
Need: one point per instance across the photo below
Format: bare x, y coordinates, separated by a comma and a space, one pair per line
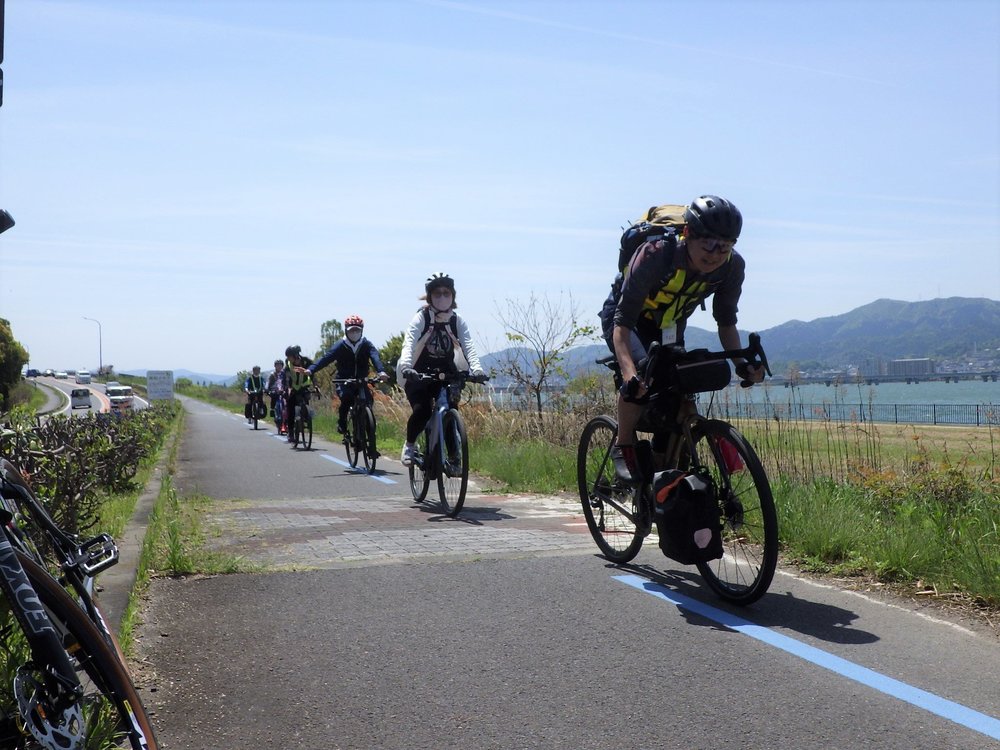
437, 340
665, 280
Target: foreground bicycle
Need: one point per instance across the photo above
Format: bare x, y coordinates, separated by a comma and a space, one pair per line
443, 445
620, 516
359, 432
71, 689
257, 408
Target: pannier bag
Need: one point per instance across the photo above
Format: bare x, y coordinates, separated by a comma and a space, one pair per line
687, 517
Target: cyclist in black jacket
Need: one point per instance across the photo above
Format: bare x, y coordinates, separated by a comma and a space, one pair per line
351, 355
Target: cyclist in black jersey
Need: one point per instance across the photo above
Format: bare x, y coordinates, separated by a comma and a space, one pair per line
253, 387
664, 282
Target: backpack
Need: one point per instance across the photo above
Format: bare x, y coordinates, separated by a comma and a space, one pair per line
687, 517
656, 222
459, 357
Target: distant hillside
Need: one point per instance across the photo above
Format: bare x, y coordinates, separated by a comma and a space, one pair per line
195, 377
885, 329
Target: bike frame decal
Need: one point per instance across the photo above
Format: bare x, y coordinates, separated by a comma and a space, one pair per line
946, 709
16, 583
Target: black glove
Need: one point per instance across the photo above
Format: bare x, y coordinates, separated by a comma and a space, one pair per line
410, 374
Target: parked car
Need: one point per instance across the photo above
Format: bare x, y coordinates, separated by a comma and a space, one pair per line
79, 398
82, 377
120, 397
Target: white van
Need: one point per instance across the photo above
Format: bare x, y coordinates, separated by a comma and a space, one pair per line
120, 397
82, 377
79, 398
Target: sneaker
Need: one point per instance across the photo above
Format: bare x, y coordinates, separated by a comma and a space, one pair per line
626, 467
406, 457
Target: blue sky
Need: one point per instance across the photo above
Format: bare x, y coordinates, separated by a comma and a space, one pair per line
212, 180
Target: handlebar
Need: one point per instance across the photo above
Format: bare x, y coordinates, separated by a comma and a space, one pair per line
447, 377
753, 356
369, 381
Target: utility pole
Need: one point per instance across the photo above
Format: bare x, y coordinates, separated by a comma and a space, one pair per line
100, 343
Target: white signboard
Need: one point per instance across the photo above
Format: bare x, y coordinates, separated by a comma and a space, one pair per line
160, 385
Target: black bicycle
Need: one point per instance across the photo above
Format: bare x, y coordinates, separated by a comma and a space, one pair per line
359, 432
443, 445
71, 688
258, 410
620, 515
302, 419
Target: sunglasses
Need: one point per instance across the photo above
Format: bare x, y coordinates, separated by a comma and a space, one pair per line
715, 245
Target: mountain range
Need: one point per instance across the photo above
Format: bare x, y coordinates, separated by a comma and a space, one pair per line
942, 329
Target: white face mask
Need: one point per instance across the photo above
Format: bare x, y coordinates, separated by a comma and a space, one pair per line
441, 299
354, 336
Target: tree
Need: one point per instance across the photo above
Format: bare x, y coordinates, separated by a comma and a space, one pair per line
13, 357
330, 333
541, 332
390, 352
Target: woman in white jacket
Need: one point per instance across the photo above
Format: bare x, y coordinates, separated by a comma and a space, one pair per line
437, 340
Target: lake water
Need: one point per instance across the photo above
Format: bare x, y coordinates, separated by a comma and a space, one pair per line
963, 392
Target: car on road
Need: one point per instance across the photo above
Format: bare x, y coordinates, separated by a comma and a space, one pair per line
111, 384
82, 377
32, 373
48, 373
79, 398
120, 397
61, 375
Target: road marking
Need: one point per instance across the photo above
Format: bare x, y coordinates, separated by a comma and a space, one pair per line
942, 707
376, 477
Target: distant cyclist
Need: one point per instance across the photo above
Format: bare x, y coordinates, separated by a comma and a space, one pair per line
437, 340
297, 383
253, 387
351, 355
275, 388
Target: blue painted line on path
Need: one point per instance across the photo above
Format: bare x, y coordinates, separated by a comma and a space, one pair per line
376, 477
942, 707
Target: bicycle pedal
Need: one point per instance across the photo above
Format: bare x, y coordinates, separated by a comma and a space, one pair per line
96, 555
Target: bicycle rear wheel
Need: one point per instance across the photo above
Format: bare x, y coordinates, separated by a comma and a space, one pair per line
453, 479
420, 475
350, 438
609, 505
113, 712
749, 520
366, 438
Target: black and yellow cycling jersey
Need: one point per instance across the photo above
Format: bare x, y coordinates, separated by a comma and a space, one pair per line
658, 291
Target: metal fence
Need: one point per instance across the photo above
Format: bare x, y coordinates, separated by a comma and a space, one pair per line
935, 414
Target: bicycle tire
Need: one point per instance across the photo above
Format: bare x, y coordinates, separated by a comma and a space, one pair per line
453, 478
307, 430
105, 679
749, 519
366, 438
420, 475
610, 506
350, 438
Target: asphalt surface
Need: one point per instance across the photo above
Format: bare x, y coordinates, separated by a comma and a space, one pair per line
380, 623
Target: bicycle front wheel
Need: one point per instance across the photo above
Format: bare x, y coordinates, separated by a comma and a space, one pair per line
611, 507
113, 713
307, 429
749, 520
351, 438
453, 479
420, 478
366, 438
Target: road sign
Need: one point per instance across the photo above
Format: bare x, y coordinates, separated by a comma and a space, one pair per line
160, 385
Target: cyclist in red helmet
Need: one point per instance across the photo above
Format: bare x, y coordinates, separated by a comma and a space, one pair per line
666, 279
351, 355
437, 340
